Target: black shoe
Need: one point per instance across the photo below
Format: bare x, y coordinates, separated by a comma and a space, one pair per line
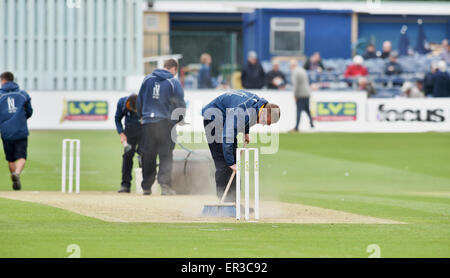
124, 189
166, 190
147, 192
16, 181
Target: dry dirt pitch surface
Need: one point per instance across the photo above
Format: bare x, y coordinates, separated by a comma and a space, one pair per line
112, 207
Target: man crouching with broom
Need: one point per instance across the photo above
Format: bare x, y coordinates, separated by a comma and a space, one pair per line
225, 117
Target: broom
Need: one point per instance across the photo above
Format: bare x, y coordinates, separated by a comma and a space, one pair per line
222, 209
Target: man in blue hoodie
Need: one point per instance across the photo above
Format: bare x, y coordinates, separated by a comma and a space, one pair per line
229, 114
160, 95
15, 110
130, 137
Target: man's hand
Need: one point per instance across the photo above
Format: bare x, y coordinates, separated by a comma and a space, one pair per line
233, 167
123, 138
247, 139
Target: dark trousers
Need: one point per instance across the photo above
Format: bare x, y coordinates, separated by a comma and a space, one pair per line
303, 105
223, 171
157, 141
133, 139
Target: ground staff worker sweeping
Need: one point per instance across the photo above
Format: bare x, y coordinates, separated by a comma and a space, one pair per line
160, 94
15, 110
130, 137
224, 118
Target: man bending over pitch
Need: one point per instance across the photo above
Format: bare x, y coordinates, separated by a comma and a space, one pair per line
130, 137
15, 110
224, 118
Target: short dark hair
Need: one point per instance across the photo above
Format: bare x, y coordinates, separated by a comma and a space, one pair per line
171, 63
7, 76
131, 102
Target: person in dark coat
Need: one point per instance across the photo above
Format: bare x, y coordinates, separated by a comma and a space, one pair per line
275, 79
15, 110
428, 80
371, 52
205, 79
393, 67
253, 75
441, 81
386, 50
314, 63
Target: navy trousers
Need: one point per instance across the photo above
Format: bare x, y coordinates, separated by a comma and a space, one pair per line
223, 171
303, 105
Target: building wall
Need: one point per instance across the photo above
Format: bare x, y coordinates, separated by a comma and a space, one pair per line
326, 31
50, 46
156, 34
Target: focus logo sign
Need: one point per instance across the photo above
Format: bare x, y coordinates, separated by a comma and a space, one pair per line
410, 115
336, 111
85, 111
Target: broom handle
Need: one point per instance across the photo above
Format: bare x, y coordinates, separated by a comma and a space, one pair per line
229, 182
228, 187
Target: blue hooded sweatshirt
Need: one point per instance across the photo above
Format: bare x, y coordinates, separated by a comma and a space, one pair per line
15, 109
159, 95
131, 118
239, 111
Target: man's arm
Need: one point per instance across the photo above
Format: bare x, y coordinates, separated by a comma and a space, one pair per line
178, 99
119, 116
28, 108
140, 99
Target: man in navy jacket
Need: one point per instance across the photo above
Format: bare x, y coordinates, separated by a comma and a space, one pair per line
130, 137
160, 95
441, 81
15, 110
229, 114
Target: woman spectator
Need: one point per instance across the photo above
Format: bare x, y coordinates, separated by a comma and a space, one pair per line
356, 69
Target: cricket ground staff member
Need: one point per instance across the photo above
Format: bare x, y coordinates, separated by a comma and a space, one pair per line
15, 110
130, 137
160, 94
224, 118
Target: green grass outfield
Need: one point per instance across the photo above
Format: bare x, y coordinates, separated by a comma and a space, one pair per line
392, 176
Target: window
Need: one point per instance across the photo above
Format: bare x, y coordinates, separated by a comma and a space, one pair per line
287, 35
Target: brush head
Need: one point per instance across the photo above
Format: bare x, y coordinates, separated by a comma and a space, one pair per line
219, 211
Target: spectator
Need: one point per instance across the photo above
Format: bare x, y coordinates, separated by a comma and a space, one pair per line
445, 54
371, 52
393, 67
275, 79
205, 80
253, 76
441, 81
314, 63
428, 80
365, 85
356, 69
411, 91
302, 92
386, 50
